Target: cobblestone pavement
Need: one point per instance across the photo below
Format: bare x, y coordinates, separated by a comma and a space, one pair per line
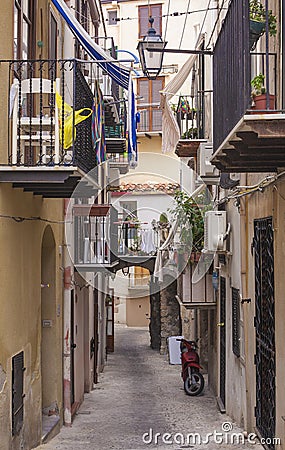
138, 392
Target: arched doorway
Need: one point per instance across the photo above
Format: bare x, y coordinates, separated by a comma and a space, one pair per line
49, 334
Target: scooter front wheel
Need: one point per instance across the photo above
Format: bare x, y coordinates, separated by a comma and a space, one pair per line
194, 384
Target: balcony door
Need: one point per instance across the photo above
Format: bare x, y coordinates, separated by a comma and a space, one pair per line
24, 29
148, 104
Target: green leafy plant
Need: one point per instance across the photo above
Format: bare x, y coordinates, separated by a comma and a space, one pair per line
190, 218
257, 13
191, 133
257, 84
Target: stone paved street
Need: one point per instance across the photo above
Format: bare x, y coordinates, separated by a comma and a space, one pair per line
140, 391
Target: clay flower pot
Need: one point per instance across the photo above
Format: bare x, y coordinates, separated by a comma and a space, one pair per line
260, 102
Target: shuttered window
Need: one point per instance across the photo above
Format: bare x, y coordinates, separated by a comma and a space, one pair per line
148, 104
17, 392
145, 12
24, 33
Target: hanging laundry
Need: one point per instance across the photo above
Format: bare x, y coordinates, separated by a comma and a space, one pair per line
69, 119
147, 241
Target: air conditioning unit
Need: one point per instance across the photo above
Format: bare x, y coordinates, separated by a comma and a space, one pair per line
216, 231
204, 166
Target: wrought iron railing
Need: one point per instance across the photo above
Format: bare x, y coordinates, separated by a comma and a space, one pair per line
118, 157
51, 110
190, 116
52, 113
234, 67
150, 118
101, 236
135, 240
231, 71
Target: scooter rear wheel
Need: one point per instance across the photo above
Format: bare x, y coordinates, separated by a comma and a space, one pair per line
194, 385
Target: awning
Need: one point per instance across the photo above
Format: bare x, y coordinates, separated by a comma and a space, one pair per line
119, 73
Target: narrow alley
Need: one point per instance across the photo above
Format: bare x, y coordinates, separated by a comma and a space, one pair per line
139, 392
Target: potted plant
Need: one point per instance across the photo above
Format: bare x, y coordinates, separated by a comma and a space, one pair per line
257, 16
190, 218
191, 133
258, 94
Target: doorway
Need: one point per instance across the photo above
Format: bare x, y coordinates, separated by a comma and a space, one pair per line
49, 344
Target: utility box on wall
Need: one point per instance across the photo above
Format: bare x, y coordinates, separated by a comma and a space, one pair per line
215, 229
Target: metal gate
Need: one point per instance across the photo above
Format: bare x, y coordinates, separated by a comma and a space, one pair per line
265, 328
223, 340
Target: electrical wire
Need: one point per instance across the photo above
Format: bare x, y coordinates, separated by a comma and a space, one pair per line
216, 23
166, 25
248, 190
174, 14
183, 30
20, 219
204, 20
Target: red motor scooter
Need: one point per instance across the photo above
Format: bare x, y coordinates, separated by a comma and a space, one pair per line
193, 380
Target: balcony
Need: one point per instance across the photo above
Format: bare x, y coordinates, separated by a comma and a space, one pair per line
150, 123
190, 113
52, 126
119, 161
94, 245
247, 137
103, 241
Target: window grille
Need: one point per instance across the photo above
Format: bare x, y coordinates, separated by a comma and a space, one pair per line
236, 322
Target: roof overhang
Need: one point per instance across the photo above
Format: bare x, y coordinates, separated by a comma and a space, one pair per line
256, 144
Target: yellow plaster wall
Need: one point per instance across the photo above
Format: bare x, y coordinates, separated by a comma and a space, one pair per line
20, 308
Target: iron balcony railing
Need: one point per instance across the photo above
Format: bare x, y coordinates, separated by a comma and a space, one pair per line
118, 158
235, 64
190, 116
150, 117
52, 113
102, 237
135, 240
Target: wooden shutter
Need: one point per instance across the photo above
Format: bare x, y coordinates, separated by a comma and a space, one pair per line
144, 12
156, 113
143, 20
17, 392
144, 104
156, 12
148, 105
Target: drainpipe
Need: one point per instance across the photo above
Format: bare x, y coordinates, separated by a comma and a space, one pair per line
67, 268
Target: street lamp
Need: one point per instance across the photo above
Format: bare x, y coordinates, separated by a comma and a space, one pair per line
151, 61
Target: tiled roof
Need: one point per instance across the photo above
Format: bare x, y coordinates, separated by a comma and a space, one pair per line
167, 188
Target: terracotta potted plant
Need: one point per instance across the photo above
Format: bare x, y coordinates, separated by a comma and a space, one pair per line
257, 24
258, 94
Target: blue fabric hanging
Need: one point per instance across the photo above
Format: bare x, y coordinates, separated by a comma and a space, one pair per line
119, 73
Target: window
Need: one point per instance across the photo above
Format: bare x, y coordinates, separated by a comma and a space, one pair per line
83, 17
23, 34
17, 392
112, 17
148, 104
144, 13
53, 38
129, 209
236, 321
